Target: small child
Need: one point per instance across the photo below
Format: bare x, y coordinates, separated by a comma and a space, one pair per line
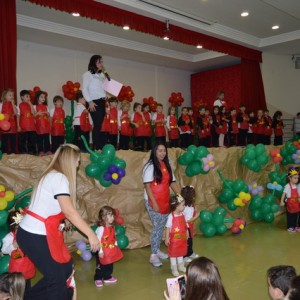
42, 123
233, 128
192, 126
268, 129
216, 126
292, 193
147, 130
224, 128
189, 195
109, 251
260, 127
27, 141
113, 121
184, 127
207, 125
201, 126
57, 115
278, 126
176, 235
124, 126
138, 119
279, 281
243, 123
82, 122
158, 119
172, 127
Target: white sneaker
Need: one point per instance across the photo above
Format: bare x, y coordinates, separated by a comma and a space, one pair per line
155, 261
162, 255
187, 259
194, 255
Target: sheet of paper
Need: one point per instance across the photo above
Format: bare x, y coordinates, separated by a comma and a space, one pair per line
112, 87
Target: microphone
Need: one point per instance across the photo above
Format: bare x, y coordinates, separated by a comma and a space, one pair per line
105, 73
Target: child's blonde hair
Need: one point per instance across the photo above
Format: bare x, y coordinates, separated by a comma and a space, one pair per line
124, 103
5, 92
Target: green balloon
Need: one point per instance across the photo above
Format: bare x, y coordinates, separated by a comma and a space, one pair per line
3, 217
275, 208
189, 172
238, 185
24, 202
250, 154
201, 152
266, 208
122, 241
221, 229
209, 230
231, 205
109, 150
262, 159
192, 149
120, 163
196, 166
222, 198
269, 217
260, 149
244, 160
217, 220
290, 147
290, 160
256, 214
4, 263
103, 162
188, 157
10, 205
182, 161
206, 216
283, 152
92, 170
274, 176
94, 227
253, 165
250, 146
221, 211
269, 199
256, 203
103, 182
94, 156
4, 230
120, 230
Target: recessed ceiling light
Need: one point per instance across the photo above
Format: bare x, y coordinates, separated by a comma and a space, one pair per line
166, 38
199, 46
126, 27
244, 14
275, 27
75, 14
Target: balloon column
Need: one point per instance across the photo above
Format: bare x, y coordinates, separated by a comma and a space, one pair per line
122, 239
107, 168
126, 94
4, 123
152, 103
83, 250
197, 160
255, 157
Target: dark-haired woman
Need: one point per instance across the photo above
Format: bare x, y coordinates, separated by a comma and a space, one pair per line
94, 94
157, 178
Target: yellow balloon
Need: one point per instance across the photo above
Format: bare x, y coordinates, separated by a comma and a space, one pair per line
1, 117
237, 201
114, 176
247, 196
78, 252
3, 204
9, 196
242, 226
2, 188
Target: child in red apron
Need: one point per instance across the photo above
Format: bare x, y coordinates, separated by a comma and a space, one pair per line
176, 235
113, 121
207, 126
172, 127
268, 129
291, 197
147, 129
8, 107
233, 128
243, 121
138, 119
124, 126
109, 252
42, 122
192, 126
224, 128
278, 126
216, 126
260, 127
159, 122
251, 134
57, 115
201, 126
191, 215
184, 128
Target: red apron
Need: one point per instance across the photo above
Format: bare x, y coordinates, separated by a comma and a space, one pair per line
260, 126
55, 237
292, 203
161, 191
173, 132
42, 121
268, 129
113, 121
178, 238
234, 125
160, 129
278, 130
105, 127
245, 123
7, 108
112, 252
85, 124
192, 125
26, 117
186, 127
125, 129
223, 130
147, 130
138, 119
58, 126
218, 120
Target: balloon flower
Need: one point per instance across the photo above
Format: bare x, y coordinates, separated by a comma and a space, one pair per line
287, 152
152, 103
296, 157
70, 89
5, 197
255, 157
255, 189
296, 141
237, 226
114, 174
83, 250
208, 162
176, 99
33, 92
119, 220
274, 186
276, 157
4, 123
242, 199
126, 94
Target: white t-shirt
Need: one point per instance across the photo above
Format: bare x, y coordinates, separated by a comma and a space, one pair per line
148, 176
188, 212
170, 219
287, 189
92, 86
218, 102
45, 201
79, 109
7, 246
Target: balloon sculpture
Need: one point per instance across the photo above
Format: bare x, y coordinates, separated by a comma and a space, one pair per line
287, 152
237, 226
176, 99
122, 239
126, 94
152, 103
70, 89
83, 250
33, 92
255, 157
4, 123
6, 198
197, 160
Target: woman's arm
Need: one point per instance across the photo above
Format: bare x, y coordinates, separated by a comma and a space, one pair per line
151, 197
167, 240
175, 187
73, 216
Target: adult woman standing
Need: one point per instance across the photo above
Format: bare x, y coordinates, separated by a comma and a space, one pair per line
220, 99
39, 234
94, 94
157, 178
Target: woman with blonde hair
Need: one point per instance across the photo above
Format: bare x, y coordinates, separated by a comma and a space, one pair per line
12, 286
40, 233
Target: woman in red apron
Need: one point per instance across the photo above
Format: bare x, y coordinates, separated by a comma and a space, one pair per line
176, 235
40, 234
157, 178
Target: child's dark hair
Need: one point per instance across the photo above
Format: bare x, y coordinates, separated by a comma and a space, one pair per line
159, 104
135, 105
57, 98
294, 290
24, 92
113, 99
104, 211
175, 201
37, 96
169, 109
145, 105
189, 195
78, 96
11, 222
201, 107
242, 105
281, 277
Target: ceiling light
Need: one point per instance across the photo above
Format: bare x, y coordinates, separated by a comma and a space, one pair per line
167, 31
275, 27
166, 38
199, 46
126, 27
244, 14
75, 14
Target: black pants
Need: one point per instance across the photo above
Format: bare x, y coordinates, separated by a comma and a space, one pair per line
242, 137
43, 142
77, 137
56, 141
139, 143
9, 142
250, 138
98, 136
113, 139
278, 140
124, 142
260, 139
215, 139
103, 272
148, 142
191, 139
27, 142
160, 139
53, 285
267, 140
292, 220
184, 140
189, 245
173, 143
232, 138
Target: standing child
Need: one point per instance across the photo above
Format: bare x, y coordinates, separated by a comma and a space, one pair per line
109, 252
278, 126
201, 126
27, 141
113, 121
207, 125
216, 126
184, 127
147, 130
57, 115
176, 234
233, 128
189, 195
42, 123
8, 107
268, 129
159, 122
291, 193
124, 126
243, 120
137, 119
172, 127
251, 134
224, 128
192, 126
82, 122
260, 127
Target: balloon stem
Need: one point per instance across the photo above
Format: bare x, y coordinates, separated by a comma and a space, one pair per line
277, 167
72, 109
229, 220
23, 193
86, 144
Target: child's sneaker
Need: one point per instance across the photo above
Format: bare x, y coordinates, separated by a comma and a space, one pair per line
297, 229
194, 255
162, 255
98, 283
187, 259
155, 261
291, 229
110, 280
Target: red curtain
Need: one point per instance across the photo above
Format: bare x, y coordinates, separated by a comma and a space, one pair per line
8, 42
119, 17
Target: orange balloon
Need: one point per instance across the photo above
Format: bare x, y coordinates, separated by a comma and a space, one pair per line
5, 125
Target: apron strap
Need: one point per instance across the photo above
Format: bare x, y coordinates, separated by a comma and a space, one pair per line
31, 213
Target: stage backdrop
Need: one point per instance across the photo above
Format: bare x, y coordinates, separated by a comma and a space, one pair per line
20, 172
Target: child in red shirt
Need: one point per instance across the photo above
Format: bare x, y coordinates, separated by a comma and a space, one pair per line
113, 121
172, 127
124, 126
159, 122
147, 129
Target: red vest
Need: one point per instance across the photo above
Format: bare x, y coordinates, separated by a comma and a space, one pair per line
138, 119
42, 121
85, 124
234, 125
161, 191
202, 131
146, 127
125, 130
178, 237
113, 121
26, 117
112, 252
7, 108
207, 125
160, 129
268, 129
260, 126
105, 127
278, 130
245, 123
186, 127
218, 120
173, 132
223, 119
292, 203
193, 125
58, 126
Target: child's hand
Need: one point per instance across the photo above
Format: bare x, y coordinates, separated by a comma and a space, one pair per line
15, 244
167, 242
101, 255
281, 203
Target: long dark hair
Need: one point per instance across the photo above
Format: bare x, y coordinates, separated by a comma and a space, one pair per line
153, 160
204, 281
37, 96
92, 64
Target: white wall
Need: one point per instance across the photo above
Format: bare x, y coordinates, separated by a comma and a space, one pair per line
50, 67
281, 83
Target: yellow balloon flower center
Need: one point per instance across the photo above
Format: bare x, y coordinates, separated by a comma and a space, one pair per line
114, 176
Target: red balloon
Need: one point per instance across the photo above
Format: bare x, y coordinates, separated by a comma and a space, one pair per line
77, 85
119, 220
36, 89
6, 117
5, 125
117, 212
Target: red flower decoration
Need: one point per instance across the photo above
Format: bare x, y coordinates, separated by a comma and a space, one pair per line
33, 92
198, 103
176, 99
297, 144
237, 226
126, 94
152, 103
275, 154
70, 89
